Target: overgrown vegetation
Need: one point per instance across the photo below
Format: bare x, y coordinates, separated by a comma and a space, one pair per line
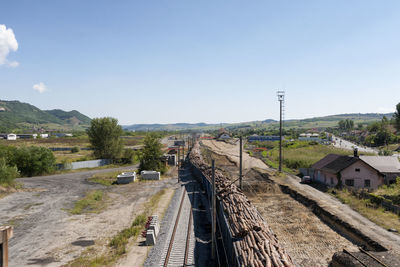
368, 209
29, 161
297, 154
92, 202
390, 192
119, 242
7, 173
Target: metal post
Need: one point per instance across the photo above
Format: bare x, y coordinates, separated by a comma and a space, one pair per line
280, 137
179, 156
281, 98
214, 213
241, 164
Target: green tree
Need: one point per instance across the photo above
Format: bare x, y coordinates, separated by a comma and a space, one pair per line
346, 125
151, 154
383, 135
105, 138
397, 117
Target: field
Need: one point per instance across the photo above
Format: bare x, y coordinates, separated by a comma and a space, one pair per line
296, 154
81, 142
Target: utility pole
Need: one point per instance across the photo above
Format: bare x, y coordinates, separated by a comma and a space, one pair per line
214, 213
241, 164
179, 156
183, 153
281, 99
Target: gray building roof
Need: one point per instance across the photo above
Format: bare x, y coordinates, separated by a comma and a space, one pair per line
326, 160
384, 164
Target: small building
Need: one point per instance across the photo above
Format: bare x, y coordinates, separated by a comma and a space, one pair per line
11, 136
44, 135
357, 171
310, 137
224, 136
179, 143
2, 109
263, 138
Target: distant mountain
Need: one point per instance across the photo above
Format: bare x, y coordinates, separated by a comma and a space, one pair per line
16, 115
316, 122
168, 127
71, 117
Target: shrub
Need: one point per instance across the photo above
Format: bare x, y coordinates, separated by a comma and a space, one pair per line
34, 160
75, 149
129, 156
7, 173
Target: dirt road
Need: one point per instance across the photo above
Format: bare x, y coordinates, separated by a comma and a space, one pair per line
232, 151
45, 234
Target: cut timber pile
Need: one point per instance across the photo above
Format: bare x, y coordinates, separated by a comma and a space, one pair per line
257, 245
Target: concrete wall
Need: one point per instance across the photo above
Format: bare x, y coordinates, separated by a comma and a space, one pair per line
325, 178
85, 164
365, 173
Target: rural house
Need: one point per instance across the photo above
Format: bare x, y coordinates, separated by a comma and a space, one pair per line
357, 171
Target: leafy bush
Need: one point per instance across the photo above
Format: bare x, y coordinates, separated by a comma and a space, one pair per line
33, 160
7, 173
129, 156
75, 149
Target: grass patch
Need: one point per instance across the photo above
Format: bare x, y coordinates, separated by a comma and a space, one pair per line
119, 242
365, 207
390, 192
297, 154
93, 202
107, 178
110, 166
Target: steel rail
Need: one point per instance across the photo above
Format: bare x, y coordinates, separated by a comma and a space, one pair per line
188, 232
174, 231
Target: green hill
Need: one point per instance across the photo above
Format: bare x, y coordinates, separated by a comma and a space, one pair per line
317, 122
15, 115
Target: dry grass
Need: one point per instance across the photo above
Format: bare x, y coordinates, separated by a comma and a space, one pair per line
119, 242
369, 210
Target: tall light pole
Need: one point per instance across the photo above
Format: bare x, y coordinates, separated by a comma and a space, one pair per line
281, 99
241, 164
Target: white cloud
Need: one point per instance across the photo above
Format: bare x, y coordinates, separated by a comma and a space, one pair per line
8, 43
40, 87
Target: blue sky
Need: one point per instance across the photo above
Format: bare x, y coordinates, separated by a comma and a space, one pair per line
203, 61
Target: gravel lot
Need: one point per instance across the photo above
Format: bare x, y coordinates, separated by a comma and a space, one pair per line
45, 234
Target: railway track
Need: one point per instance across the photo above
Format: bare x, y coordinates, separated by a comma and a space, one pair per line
180, 245
362, 261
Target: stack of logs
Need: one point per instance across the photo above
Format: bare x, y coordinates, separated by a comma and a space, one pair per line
257, 245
